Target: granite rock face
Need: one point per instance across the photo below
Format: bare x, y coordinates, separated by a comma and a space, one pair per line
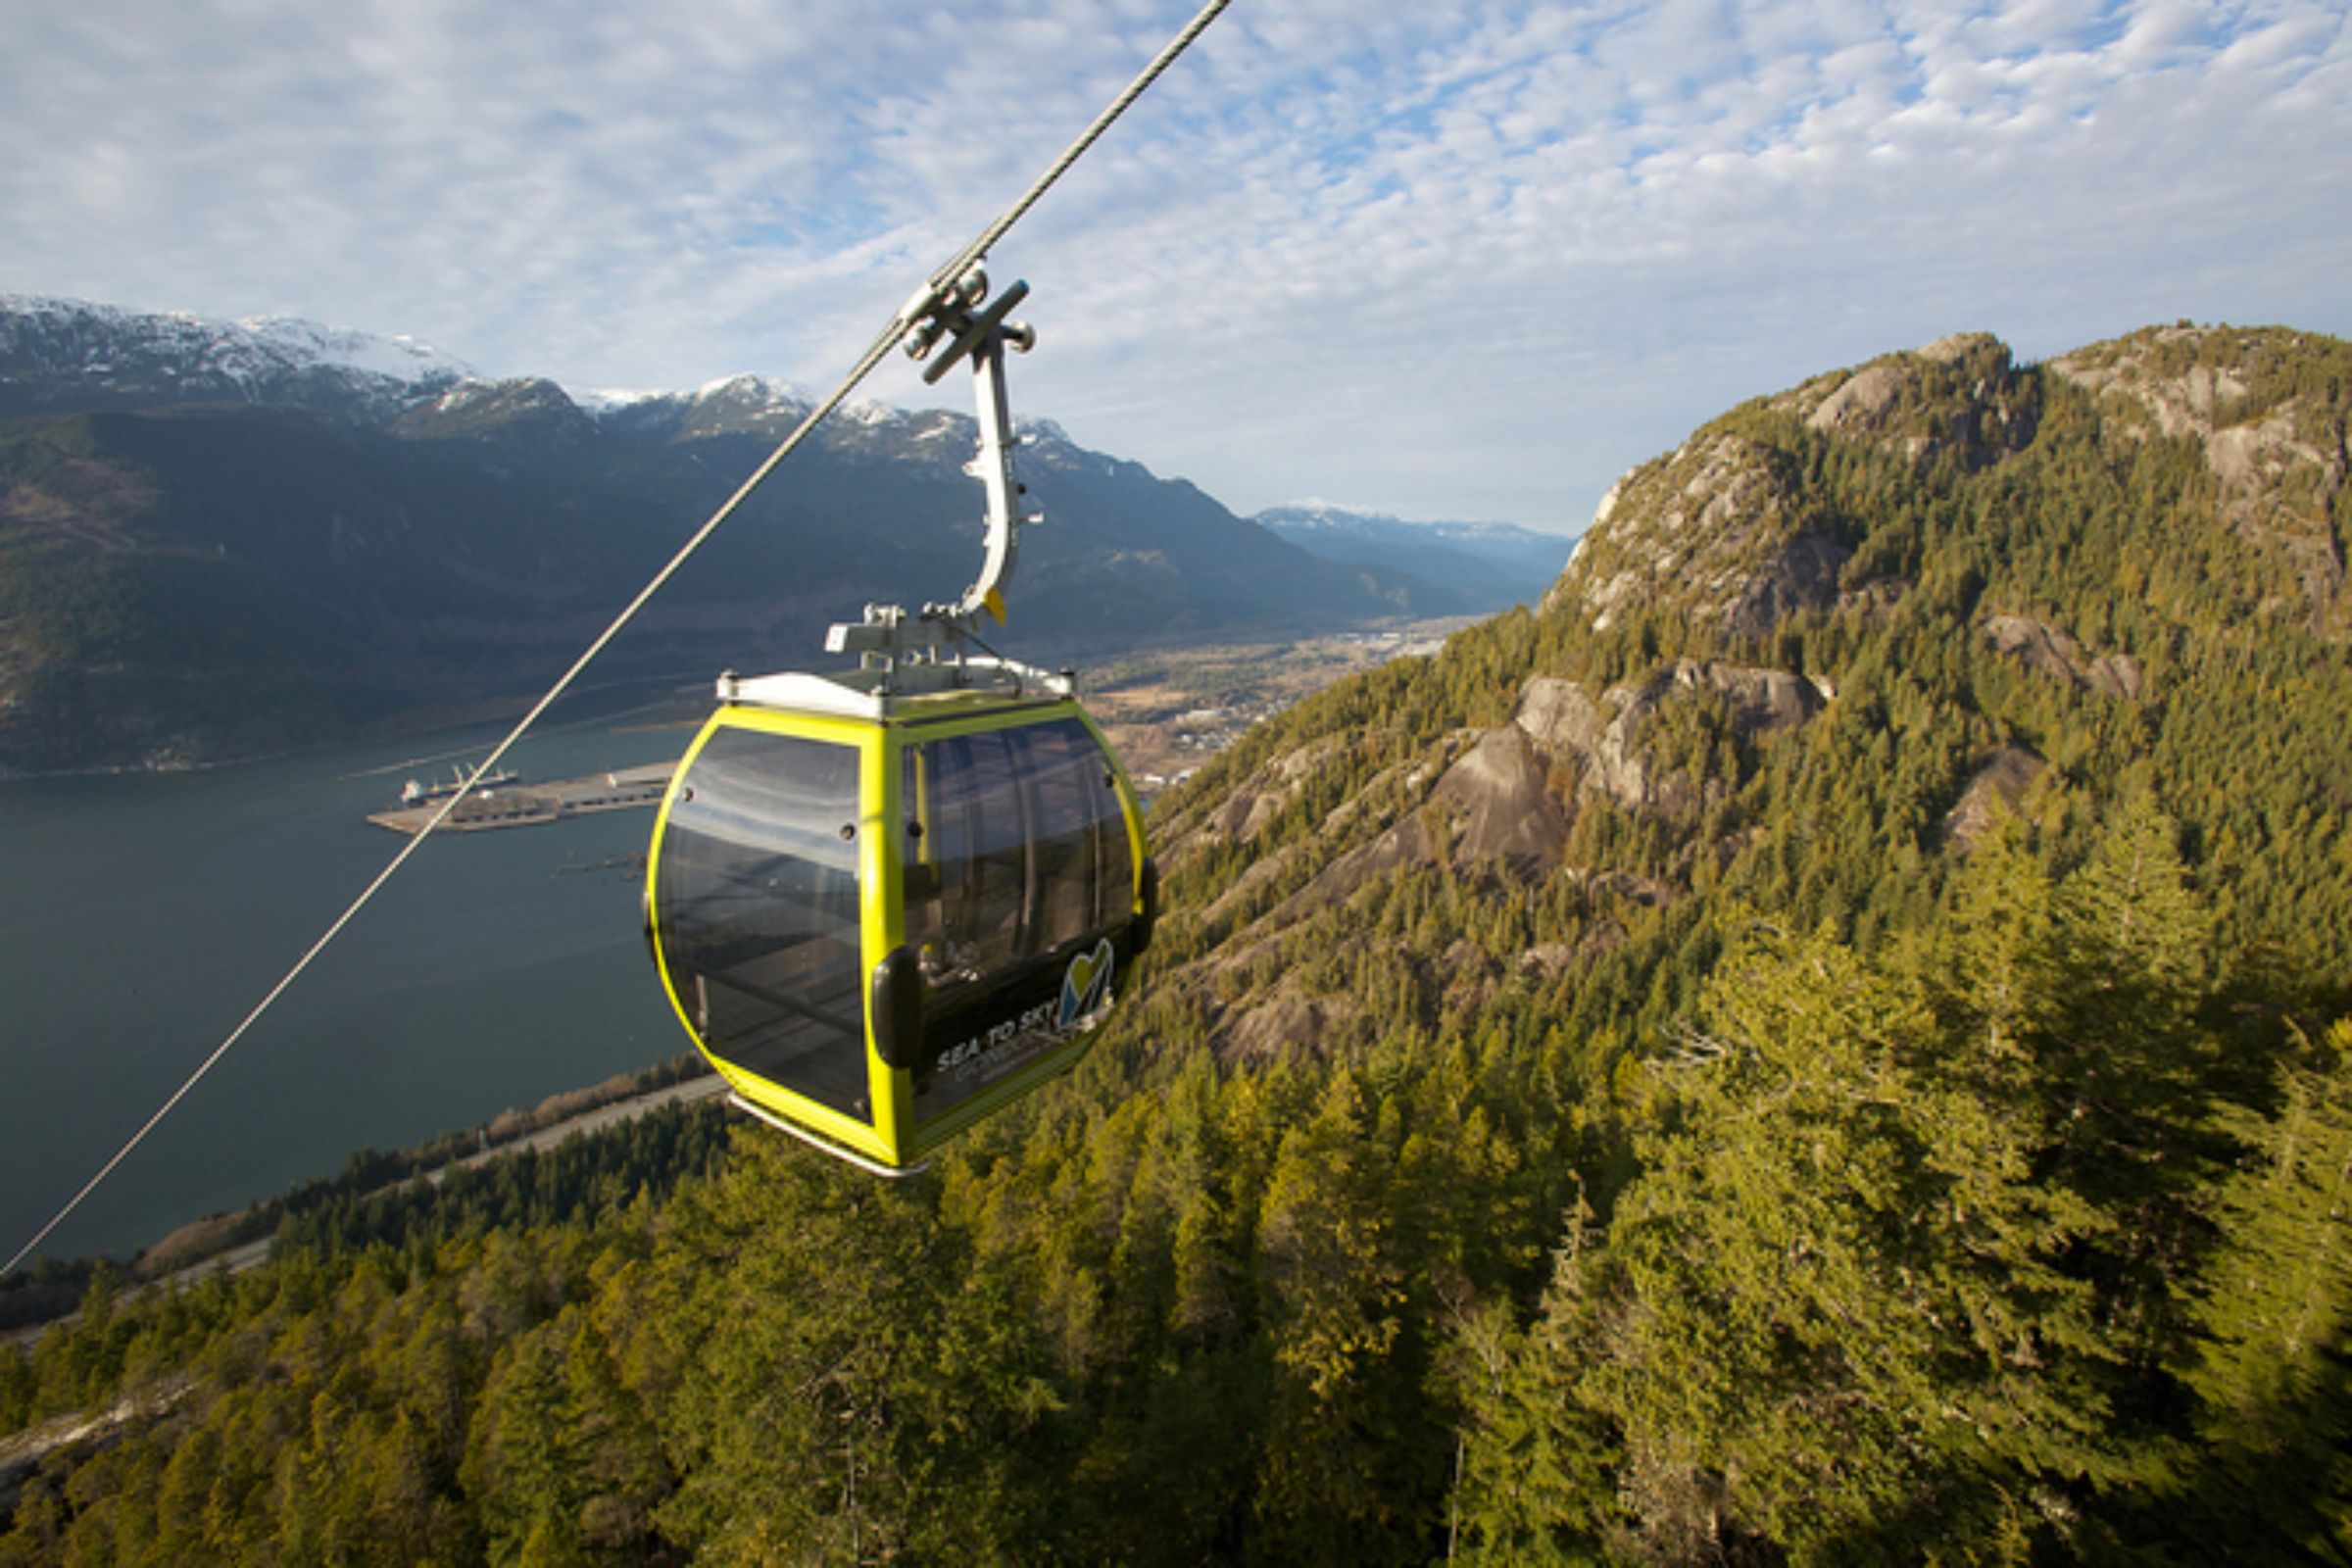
1721, 530
1603, 739
2277, 450
2051, 651
1725, 529
1996, 786
1729, 531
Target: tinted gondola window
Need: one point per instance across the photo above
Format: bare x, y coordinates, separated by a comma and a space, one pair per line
1023, 863
757, 906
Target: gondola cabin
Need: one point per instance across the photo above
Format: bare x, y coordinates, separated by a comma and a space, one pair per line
883, 917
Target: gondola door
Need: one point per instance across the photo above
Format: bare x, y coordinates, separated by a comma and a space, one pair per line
1020, 846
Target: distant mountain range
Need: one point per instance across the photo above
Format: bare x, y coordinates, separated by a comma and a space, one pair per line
1491, 564
68, 356
217, 539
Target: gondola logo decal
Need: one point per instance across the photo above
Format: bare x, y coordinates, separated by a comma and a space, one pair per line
1086, 984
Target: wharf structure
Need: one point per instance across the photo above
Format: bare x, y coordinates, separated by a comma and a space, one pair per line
531, 804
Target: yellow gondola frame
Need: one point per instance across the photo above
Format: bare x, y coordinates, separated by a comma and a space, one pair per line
899, 1139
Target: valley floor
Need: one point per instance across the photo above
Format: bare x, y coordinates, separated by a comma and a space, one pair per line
1168, 710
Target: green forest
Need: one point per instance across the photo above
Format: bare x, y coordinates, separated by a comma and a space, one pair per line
1914, 1126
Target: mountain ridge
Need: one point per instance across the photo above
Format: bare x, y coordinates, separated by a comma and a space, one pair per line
1760, 550
1493, 564
1697, 643
60, 353
221, 543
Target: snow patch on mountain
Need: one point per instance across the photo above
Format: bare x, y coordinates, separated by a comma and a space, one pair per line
63, 350
759, 391
270, 341
1316, 512
250, 349
604, 400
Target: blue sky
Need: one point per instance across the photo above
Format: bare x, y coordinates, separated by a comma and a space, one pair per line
1449, 259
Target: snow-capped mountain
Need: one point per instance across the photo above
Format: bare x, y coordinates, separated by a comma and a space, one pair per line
59, 353
1331, 518
70, 356
1495, 564
292, 530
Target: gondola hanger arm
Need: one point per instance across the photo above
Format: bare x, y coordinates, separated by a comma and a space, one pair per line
982, 335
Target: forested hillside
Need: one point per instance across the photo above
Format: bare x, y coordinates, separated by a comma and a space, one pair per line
1823, 1043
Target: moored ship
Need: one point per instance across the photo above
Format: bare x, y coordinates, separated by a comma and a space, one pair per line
414, 793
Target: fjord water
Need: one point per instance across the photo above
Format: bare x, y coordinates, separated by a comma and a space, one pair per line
142, 915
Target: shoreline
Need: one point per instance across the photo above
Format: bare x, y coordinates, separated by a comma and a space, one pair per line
222, 1242
690, 689
420, 722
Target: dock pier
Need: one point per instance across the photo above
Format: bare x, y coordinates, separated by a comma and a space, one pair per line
530, 804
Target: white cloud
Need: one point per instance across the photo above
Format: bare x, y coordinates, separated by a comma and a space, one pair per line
1452, 258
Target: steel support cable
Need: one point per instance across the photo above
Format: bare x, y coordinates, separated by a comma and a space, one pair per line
1012, 214
925, 300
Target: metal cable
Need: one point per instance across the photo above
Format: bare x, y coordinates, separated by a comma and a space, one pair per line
1118, 106
915, 309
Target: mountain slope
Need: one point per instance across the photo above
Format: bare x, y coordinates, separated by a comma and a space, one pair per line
1866, 939
1870, 590
221, 540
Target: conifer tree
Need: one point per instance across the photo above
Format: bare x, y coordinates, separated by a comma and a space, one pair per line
1330, 1489
2272, 1473
1538, 1466
1839, 1324
2133, 1077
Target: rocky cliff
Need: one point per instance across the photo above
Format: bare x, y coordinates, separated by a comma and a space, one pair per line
1733, 527
1945, 584
2266, 411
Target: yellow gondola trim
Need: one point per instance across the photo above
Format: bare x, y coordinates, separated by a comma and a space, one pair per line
894, 1138
889, 1089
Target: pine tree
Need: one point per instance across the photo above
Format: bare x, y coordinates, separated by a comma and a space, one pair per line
2272, 1477
1329, 1489
1841, 1324
2133, 1077
1536, 1467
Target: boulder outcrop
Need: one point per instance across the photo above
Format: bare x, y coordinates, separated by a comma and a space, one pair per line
2278, 456
1287, 1025
1511, 795
2000, 782
1603, 740
1508, 811
2051, 651
1960, 396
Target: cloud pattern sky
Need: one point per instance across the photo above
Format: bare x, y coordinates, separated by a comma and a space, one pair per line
1449, 259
